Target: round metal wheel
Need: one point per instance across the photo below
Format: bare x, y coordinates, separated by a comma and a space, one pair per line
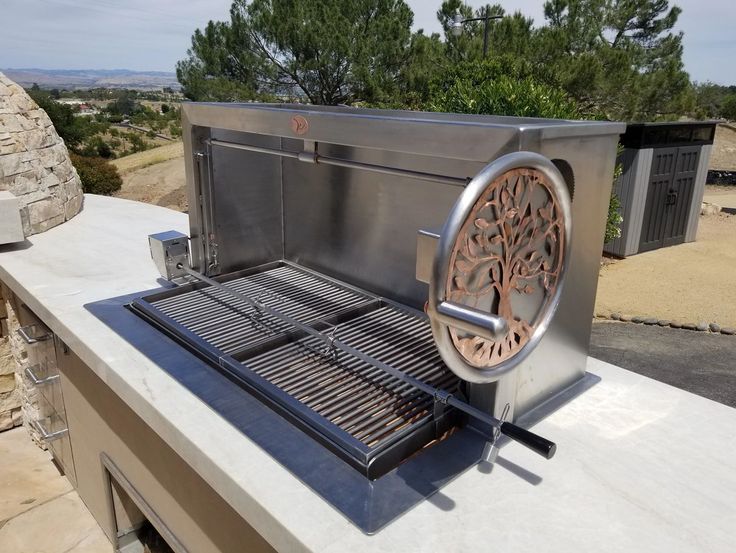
502, 255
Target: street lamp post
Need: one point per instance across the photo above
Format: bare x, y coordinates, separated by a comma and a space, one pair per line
458, 22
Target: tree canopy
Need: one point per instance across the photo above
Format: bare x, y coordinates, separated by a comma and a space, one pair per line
715, 101
73, 130
615, 59
329, 52
618, 58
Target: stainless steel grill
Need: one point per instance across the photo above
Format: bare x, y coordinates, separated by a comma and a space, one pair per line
390, 284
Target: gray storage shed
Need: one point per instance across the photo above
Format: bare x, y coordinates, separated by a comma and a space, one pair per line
662, 185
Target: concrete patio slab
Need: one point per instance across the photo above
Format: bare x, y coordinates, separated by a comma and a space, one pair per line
39, 510
62, 525
28, 478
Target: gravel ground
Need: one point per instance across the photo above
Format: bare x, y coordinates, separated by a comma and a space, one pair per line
698, 362
688, 283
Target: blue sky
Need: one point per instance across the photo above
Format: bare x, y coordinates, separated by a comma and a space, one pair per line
152, 35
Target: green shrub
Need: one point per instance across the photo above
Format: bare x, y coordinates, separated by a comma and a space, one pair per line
499, 86
104, 150
729, 107
98, 175
614, 220
137, 143
613, 223
96, 147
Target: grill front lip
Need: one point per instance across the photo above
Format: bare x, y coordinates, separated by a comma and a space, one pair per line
372, 460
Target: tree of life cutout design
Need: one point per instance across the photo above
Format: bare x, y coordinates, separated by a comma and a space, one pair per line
507, 261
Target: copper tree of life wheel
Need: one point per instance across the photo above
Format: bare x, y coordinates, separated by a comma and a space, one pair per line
506, 257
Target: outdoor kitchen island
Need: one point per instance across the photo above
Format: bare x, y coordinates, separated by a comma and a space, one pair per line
641, 466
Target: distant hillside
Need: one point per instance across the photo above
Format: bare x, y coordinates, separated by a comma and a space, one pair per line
93, 78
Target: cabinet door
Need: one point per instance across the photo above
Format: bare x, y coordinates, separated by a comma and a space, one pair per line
42, 387
62, 448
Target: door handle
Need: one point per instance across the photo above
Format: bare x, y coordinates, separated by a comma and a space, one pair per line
33, 333
37, 380
671, 198
47, 436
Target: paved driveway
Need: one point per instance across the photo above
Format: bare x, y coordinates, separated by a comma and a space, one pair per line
699, 362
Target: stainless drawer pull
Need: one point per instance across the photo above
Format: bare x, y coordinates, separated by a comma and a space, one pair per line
32, 334
47, 436
39, 381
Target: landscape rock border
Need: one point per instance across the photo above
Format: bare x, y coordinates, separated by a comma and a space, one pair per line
700, 326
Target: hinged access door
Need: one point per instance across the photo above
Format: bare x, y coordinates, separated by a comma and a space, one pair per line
669, 193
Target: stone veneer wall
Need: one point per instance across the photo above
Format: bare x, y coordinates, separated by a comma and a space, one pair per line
34, 162
19, 397
10, 391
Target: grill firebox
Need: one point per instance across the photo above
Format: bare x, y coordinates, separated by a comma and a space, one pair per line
371, 419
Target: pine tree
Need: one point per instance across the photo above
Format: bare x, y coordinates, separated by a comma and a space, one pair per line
619, 59
326, 52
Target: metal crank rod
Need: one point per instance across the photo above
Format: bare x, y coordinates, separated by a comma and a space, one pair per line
536, 443
314, 157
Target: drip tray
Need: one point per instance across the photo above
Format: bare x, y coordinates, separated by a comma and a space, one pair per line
367, 417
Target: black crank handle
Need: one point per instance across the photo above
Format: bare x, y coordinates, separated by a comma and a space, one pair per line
537, 444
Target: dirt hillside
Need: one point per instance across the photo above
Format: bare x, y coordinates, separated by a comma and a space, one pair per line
723, 155
155, 176
140, 160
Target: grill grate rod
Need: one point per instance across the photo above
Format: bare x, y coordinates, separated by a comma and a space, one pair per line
536, 443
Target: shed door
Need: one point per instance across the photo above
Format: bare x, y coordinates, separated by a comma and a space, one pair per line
681, 194
670, 191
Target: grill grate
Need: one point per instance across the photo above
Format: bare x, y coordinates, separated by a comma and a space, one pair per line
234, 327
356, 396
349, 403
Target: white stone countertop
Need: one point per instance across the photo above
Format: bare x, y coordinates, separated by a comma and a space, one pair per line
641, 466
